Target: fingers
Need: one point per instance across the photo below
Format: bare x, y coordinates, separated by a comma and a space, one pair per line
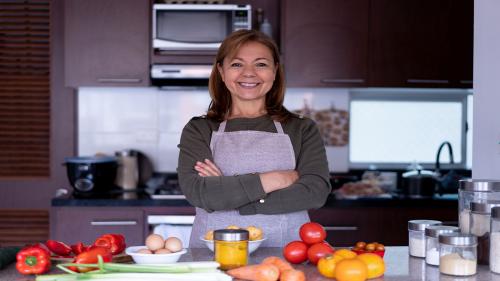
207, 169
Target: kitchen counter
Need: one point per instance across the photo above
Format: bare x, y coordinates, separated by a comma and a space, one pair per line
399, 267
437, 201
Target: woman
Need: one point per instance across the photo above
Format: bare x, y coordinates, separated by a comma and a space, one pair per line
250, 161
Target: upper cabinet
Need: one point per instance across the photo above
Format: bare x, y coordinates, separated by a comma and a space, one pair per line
378, 43
325, 42
421, 43
107, 43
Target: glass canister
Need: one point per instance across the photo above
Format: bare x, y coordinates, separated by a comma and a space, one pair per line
480, 227
457, 254
416, 236
474, 190
432, 233
495, 240
231, 248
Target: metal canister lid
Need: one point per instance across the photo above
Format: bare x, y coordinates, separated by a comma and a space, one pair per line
479, 185
231, 234
458, 239
484, 207
126, 152
420, 225
436, 230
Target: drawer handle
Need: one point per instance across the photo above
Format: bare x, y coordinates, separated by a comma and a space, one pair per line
340, 228
427, 81
119, 80
111, 223
342, 81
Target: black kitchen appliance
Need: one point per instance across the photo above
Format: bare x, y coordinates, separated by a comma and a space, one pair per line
91, 176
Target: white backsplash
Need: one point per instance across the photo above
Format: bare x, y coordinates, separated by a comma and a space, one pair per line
151, 120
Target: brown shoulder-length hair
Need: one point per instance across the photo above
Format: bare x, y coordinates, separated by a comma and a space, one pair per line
221, 97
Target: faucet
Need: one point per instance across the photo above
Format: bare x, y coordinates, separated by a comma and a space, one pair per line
451, 178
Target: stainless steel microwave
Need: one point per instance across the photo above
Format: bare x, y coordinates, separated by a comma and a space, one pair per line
197, 26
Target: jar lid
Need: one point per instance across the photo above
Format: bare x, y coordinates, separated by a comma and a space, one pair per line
126, 152
231, 234
436, 230
495, 212
484, 207
479, 185
458, 239
89, 159
421, 224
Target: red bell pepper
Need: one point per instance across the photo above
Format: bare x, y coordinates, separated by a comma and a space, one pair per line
33, 260
90, 256
79, 248
114, 242
59, 248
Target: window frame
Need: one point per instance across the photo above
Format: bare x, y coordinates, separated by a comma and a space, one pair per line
417, 95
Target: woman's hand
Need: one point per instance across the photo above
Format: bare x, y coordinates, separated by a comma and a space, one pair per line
207, 169
272, 181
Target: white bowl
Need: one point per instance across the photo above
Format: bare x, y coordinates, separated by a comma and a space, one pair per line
252, 245
153, 258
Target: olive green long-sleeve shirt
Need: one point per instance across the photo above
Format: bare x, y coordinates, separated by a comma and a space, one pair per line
243, 192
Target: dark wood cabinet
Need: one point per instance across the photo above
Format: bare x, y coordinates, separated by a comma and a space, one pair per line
107, 43
325, 42
386, 225
85, 224
420, 43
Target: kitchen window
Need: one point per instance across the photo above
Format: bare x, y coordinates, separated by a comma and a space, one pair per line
391, 128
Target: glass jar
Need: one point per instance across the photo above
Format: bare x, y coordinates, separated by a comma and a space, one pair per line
495, 240
432, 233
231, 248
416, 236
474, 191
457, 254
480, 227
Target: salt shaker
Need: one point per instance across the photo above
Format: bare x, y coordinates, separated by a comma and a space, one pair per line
416, 236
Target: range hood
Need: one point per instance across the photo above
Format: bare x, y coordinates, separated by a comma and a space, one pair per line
180, 74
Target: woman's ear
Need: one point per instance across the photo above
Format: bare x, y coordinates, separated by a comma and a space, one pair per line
221, 71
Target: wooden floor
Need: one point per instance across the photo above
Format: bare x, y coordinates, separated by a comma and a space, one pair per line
19, 227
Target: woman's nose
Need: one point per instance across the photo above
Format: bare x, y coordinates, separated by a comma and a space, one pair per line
248, 71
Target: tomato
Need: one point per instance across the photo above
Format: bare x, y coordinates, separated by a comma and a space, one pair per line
326, 265
295, 252
311, 233
317, 251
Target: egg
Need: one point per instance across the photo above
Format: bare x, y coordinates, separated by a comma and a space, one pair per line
173, 244
163, 251
144, 251
154, 242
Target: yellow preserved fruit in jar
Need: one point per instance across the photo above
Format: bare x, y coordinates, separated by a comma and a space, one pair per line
231, 248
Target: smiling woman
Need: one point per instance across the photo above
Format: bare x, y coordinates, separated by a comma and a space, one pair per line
250, 161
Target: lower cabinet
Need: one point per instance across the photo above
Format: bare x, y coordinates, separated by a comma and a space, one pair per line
386, 225
85, 224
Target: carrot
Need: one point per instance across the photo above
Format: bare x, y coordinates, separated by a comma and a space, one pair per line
256, 272
292, 275
278, 262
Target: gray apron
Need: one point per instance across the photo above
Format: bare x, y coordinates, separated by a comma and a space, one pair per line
246, 152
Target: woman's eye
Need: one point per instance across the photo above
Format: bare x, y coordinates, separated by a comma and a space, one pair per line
236, 64
261, 64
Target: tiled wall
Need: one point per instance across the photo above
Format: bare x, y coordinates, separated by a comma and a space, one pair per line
151, 120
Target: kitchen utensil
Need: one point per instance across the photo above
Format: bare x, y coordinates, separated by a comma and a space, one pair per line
252, 245
419, 183
153, 258
91, 175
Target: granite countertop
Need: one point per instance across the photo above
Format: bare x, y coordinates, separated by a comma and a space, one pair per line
399, 267
436, 201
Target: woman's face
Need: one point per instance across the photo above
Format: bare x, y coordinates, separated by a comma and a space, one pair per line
250, 74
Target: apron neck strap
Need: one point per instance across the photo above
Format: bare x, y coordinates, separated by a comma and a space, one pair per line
279, 128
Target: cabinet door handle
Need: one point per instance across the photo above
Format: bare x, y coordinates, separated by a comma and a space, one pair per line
111, 223
340, 228
427, 81
119, 80
342, 81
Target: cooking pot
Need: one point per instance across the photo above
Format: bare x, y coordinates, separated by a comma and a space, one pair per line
90, 175
419, 183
